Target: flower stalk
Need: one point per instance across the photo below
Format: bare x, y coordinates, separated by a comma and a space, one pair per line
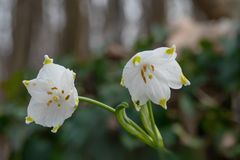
95, 102
151, 136
157, 135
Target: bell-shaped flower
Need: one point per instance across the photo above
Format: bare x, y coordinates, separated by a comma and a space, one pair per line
54, 96
149, 75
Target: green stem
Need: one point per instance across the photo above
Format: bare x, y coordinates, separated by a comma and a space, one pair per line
144, 115
100, 104
157, 137
149, 105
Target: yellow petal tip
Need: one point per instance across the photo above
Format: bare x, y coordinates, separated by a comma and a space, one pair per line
74, 75
122, 82
163, 103
136, 60
55, 129
76, 102
47, 60
171, 50
26, 82
137, 105
185, 81
28, 120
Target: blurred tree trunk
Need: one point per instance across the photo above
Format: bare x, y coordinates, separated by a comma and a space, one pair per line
115, 20
157, 13
215, 9
25, 17
4, 148
236, 107
153, 13
75, 35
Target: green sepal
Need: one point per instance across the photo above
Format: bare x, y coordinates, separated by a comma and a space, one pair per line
131, 126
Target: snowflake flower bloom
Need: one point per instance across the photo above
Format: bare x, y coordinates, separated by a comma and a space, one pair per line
149, 75
54, 95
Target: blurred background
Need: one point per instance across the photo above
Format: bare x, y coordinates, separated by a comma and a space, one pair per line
95, 38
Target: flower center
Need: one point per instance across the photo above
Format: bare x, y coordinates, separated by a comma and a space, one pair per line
57, 96
147, 70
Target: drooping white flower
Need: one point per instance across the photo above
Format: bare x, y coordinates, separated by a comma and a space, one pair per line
54, 96
149, 75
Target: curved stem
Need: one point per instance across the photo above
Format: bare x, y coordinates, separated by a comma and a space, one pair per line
131, 126
100, 104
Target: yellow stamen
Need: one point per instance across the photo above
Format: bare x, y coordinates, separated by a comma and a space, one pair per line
49, 93
59, 105
55, 129
171, 50
145, 67
54, 88
28, 120
66, 98
143, 76
62, 91
152, 67
184, 80
47, 60
150, 76
163, 103
49, 103
26, 82
136, 60
55, 98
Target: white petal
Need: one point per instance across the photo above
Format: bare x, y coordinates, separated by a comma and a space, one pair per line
137, 93
138, 96
71, 98
159, 56
38, 89
67, 80
48, 116
143, 55
172, 73
158, 90
129, 74
136, 86
52, 72
162, 53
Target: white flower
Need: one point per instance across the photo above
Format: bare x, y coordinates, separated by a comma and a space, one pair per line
54, 95
149, 75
